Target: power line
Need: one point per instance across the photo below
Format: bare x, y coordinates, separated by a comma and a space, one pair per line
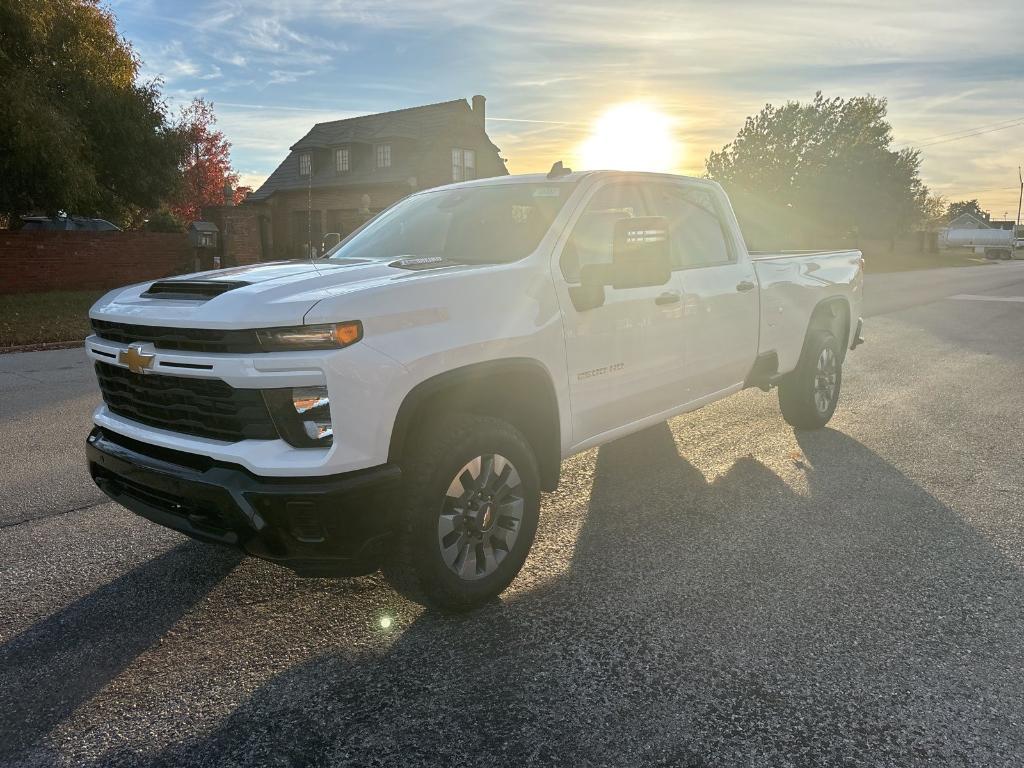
975, 128
969, 135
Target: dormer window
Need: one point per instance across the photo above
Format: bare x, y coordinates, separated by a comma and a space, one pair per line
341, 160
383, 152
305, 164
463, 164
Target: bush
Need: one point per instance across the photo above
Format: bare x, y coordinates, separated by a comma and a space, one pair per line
164, 221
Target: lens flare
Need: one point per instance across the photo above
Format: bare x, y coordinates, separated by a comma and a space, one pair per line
631, 137
386, 622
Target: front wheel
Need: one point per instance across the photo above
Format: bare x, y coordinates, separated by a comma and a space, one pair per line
808, 396
471, 502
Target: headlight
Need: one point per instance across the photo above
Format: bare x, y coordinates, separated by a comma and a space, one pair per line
302, 415
330, 336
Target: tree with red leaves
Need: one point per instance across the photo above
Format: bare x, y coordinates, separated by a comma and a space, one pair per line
207, 164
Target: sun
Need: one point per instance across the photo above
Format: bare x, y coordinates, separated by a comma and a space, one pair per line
631, 137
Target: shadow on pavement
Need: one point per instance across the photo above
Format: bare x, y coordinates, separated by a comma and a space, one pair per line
730, 621
62, 661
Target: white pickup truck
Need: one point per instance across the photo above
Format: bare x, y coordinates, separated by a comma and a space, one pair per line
403, 401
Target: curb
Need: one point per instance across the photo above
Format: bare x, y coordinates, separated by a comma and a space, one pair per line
41, 347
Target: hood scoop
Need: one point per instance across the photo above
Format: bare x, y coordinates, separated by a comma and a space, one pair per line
191, 290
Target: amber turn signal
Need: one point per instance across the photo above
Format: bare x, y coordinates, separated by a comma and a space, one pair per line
348, 333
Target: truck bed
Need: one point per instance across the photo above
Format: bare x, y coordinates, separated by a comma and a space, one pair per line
793, 283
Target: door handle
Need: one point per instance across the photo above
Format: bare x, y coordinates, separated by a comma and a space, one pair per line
668, 297
745, 285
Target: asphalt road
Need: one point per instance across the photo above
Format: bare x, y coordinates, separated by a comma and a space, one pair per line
715, 591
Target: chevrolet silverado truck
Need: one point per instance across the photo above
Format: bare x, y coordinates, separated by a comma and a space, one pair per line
403, 401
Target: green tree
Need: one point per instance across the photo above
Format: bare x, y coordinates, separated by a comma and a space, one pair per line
965, 206
78, 132
933, 212
820, 169
163, 220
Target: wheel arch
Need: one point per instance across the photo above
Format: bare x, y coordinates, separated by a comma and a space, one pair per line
517, 390
832, 314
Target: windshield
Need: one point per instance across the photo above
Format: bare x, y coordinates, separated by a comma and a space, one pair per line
474, 225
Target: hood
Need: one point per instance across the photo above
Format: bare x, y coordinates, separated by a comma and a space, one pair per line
254, 296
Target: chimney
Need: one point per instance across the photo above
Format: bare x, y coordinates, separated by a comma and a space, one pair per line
479, 110
229, 194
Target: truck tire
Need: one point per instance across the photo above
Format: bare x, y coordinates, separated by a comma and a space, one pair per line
469, 508
808, 395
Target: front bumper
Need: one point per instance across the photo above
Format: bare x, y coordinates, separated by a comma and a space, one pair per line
317, 526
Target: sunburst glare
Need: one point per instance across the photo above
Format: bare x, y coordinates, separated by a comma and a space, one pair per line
631, 137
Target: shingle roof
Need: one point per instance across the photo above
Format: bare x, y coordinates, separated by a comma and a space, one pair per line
414, 123
410, 123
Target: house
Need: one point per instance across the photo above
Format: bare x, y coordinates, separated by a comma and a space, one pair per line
342, 172
967, 221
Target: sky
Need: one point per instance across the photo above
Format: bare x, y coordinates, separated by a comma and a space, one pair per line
550, 70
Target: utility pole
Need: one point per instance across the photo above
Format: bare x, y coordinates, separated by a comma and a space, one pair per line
1020, 198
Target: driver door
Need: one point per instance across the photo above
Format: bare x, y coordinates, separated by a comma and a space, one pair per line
625, 357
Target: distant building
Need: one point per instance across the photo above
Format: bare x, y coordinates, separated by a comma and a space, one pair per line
1002, 224
342, 172
967, 221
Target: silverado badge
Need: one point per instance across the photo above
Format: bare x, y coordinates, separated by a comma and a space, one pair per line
136, 360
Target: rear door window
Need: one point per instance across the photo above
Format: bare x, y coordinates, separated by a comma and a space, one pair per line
695, 228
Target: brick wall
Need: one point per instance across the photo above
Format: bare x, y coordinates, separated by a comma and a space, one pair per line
239, 238
33, 262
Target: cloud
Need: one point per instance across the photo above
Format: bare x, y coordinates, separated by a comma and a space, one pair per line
286, 76
551, 69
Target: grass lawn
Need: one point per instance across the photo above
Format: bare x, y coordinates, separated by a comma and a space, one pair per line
904, 260
35, 318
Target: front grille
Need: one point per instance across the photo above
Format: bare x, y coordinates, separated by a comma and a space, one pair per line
193, 406
185, 339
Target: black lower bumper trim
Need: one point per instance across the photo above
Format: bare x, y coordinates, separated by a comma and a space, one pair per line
333, 525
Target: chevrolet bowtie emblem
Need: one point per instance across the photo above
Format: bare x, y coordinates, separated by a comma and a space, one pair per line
136, 360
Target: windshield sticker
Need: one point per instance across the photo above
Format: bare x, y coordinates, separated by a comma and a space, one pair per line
547, 192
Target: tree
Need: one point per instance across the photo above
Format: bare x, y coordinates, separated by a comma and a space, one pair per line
824, 168
965, 206
78, 133
163, 221
206, 166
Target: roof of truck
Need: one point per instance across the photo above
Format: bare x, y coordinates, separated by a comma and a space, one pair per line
572, 177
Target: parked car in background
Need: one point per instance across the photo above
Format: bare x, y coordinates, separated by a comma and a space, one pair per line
67, 224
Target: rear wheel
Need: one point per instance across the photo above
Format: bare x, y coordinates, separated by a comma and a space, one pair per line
471, 502
808, 396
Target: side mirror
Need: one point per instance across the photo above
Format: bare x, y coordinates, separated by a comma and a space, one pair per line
641, 255
330, 240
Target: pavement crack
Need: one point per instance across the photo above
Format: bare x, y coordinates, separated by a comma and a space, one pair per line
83, 507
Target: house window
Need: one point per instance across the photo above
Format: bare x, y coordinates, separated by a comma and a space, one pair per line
463, 164
341, 160
383, 155
305, 164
